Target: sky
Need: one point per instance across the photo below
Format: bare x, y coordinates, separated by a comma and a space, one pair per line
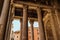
16, 24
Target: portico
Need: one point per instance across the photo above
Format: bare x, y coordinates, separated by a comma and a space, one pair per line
44, 14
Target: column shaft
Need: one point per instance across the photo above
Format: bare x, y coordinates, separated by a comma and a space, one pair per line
45, 30
57, 18
3, 18
32, 29
58, 23
8, 27
53, 25
41, 33
21, 29
25, 24
9, 30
